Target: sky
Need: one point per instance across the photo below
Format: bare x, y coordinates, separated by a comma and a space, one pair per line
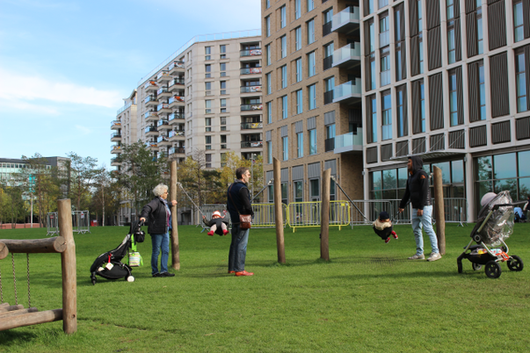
66, 65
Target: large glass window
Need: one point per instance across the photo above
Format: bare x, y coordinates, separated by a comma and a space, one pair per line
269, 152
299, 102
268, 26
480, 35
298, 191
300, 144
482, 89
520, 78
310, 31
451, 48
283, 16
285, 148
298, 38
453, 106
298, 69
384, 32
386, 117
312, 95
269, 54
400, 114
373, 104
518, 22
297, 9
310, 5
385, 68
422, 100
284, 76
312, 141
269, 112
268, 80
283, 47
285, 107
311, 64
314, 186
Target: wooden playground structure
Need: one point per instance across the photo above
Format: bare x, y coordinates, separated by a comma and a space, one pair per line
12, 316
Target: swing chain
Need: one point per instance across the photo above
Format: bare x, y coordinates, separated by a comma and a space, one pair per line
29, 291
1, 290
14, 277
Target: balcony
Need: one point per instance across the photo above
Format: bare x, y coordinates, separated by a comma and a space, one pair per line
176, 150
163, 141
250, 52
247, 126
115, 136
163, 124
251, 89
115, 161
163, 108
115, 125
150, 101
150, 86
176, 84
251, 144
251, 107
163, 77
151, 116
347, 57
123, 108
176, 101
175, 67
251, 71
153, 146
349, 92
174, 135
346, 21
163, 93
349, 142
115, 149
175, 118
151, 131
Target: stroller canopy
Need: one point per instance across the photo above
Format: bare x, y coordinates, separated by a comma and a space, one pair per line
499, 225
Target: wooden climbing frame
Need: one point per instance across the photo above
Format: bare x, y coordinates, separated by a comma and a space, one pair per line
12, 316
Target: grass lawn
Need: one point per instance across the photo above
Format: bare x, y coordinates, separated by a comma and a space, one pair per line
368, 298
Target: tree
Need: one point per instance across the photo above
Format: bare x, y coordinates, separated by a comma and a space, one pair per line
82, 176
105, 199
233, 161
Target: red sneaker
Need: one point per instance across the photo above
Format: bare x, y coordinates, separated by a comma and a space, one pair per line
244, 273
394, 235
210, 233
230, 272
387, 240
225, 232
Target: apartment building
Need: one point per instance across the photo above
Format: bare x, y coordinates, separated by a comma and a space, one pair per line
123, 128
448, 80
312, 96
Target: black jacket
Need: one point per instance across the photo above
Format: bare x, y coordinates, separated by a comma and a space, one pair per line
417, 189
155, 214
238, 199
217, 222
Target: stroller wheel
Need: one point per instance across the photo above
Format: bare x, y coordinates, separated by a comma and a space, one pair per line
515, 263
476, 267
477, 238
130, 279
493, 269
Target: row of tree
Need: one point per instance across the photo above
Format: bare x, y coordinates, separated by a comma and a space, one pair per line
102, 192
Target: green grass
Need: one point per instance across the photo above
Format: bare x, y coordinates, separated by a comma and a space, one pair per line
368, 298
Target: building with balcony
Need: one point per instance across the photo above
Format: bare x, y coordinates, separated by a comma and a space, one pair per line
312, 96
449, 81
123, 128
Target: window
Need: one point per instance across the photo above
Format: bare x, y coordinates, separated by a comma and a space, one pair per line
451, 47
208, 124
208, 142
482, 90
371, 29
310, 5
312, 95
297, 9
310, 31
312, 141
383, 3
480, 35
283, 17
222, 50
268, 4
453, 99
299, 102
223, 102
223, 142
268, 26
385, 67
311, 64
520, 84
328, 17
329, 86
269, 83
298, 192
285, 148
208, 88
300, 144
285, 107
401, 116
450, 9
269, 152
222, 67
314, 189
283, 47
208, 106
328, 55
208, 70
373, 73
420, 50
268, 53
373, 122
422, 101
223, 123
386, 117
384, 33
298, 69
298, 38
330, 131
283, 70
269, 112
518, 22
207, 52
222, 85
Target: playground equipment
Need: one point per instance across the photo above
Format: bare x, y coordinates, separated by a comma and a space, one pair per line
80, 222
12, 316
308, 214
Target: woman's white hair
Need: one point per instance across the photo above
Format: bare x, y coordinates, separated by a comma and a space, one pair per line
160, 189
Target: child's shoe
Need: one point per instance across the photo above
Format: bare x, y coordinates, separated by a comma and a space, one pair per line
394, 235
387, 240
225, 231
210, 233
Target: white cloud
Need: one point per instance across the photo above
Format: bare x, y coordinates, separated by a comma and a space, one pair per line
19, 88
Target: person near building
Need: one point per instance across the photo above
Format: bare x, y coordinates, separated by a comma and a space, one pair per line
419, 194
158, 217
238, 203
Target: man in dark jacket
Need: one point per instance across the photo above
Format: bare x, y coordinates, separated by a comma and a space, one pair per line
419, 193
238, 202
159, 222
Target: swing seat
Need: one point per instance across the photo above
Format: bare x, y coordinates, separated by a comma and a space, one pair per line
13, 316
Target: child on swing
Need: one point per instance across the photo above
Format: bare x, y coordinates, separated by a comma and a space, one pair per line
217, 224
383, 227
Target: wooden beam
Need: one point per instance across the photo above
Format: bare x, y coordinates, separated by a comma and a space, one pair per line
6, 307
439, 210
39, 317
3, 250
278, 212
68, 266
8, 314
32, 246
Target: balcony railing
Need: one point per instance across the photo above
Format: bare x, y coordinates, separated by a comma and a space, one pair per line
115, 148
345, 17
351, 89
348, 52
150, 85
162, 90
176, 65
115, 123
251, 52
174, 116
149, 99
161, 139
174, 150
151, 115
326, 28
176, 99
162, 122
163, 76
249, 107
250, 89
150, 129
176, 81
349, 142
176, 134
328, 62
246, 126
123, 108
251, 71
251, 144
162, 106
328, 97
115, 135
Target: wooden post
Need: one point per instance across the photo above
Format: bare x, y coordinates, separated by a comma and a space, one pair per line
175, 256
33, 318
439, 211
68, 265
324, 218
32, 246
278, 214
3, 250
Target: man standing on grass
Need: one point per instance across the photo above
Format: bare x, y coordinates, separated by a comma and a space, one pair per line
419, 193
238, 202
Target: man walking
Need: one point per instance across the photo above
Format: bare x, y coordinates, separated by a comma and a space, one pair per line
419, 193
238, 202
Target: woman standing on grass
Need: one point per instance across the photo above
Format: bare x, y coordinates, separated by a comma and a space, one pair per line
159, 216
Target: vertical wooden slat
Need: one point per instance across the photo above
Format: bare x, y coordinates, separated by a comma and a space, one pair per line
416, 106
458, 39
459, 95
413, 18
499, 85
436, 102
497, 25
473, 91
414, 56
433, 48
471, 34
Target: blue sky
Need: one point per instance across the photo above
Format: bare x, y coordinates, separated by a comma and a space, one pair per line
66, 65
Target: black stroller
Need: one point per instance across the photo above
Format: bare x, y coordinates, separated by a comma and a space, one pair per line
108, 265
495, 223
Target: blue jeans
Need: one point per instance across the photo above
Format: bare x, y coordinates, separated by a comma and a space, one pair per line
238, 249
424, 221
159, 241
